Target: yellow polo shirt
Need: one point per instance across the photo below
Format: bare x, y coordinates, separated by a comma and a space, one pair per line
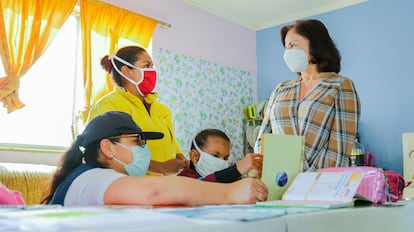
159, 120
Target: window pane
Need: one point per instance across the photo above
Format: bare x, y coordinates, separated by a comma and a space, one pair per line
47, 90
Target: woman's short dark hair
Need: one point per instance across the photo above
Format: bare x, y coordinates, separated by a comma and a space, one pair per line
322, 48
129, 54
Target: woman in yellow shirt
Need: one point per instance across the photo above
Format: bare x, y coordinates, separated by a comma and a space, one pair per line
131, 70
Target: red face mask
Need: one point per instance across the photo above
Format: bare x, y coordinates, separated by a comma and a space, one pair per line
148, 81
148, 77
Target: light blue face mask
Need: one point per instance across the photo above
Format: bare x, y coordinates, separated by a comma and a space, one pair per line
296, 59
140, 161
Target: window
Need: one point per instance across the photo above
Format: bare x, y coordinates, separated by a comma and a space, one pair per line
52, 92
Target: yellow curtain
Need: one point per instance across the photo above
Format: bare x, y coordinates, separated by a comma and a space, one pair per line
26, 30
107, 25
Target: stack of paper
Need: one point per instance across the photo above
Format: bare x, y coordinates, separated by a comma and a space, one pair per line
84, 219
226, 212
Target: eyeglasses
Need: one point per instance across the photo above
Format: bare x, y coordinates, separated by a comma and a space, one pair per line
140, 139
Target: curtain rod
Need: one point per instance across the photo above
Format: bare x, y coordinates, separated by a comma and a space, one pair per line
163, 24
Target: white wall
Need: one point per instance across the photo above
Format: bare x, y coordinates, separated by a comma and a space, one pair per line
197, 33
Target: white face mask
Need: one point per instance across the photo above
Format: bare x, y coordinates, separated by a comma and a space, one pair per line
207, 163
296, 59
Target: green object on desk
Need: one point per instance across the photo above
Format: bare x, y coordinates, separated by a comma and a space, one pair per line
282, 162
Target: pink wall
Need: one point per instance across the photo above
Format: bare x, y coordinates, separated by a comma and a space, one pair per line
197, 33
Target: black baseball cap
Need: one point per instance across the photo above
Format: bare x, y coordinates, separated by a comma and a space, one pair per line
113, 123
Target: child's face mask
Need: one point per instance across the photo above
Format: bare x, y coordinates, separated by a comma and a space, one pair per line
207, 163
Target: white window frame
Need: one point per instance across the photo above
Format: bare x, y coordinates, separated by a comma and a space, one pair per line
15, 124
40, 152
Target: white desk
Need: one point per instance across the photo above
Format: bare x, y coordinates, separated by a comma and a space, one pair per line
366, 219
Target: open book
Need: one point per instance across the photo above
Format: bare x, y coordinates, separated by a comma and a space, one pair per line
319, 190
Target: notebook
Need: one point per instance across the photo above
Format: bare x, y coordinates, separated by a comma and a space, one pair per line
282, 161
319, 190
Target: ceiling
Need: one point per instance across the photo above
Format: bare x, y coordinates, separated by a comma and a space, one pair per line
262, 14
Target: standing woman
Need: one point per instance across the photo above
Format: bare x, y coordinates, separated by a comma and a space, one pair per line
319, 104
131, 69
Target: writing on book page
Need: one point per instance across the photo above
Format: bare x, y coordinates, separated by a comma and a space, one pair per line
326, 186
301, 186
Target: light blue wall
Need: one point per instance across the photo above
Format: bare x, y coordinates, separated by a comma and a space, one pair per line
376, 40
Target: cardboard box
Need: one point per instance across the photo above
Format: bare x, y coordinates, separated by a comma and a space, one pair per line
408, 163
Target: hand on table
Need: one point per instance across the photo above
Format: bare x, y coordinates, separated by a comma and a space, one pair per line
248, 191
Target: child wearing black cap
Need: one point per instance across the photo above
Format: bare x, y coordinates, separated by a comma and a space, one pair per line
106, 163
